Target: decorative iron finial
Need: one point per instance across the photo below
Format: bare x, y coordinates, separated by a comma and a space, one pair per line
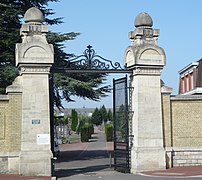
90, 60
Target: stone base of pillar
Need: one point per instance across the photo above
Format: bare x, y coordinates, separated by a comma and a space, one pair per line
147, 159
9, 162
35, 163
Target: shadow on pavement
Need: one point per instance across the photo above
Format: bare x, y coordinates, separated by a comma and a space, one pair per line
68, 156
79, 171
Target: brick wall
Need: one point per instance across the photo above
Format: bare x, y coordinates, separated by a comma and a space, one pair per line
182, 125
186, 120
10, 123
166, 120
10, 132
3, 107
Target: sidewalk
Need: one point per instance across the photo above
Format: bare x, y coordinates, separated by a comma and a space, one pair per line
18, 177
189, 171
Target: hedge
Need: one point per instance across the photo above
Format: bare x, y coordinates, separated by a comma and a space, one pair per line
108, 132
86, 131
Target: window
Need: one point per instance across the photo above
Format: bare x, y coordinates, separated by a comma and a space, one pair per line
191, 81
187, 83
183, 85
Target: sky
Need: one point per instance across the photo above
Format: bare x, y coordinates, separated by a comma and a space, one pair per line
105, 24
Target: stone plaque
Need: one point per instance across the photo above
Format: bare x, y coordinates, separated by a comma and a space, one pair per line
43, 139
35, 121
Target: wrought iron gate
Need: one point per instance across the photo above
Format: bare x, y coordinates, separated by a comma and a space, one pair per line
91, 62
121, 130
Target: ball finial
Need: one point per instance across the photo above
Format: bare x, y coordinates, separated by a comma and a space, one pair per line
33, 15
143, 20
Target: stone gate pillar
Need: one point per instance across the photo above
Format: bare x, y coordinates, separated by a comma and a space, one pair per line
34, 57
147, 60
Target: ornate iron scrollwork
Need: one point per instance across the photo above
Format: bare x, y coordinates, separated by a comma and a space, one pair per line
90, 60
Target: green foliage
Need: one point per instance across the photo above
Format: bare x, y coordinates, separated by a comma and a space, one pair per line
99, 116
7, 75
86, 131
74, 117
81, 124
56, 121
108, 132
66, 120
121, 122
91, 129
61, 120
96, 117
109, 115
65, 85
83, 85
84, 134
103, 113
82, 120
64, 140
9, 33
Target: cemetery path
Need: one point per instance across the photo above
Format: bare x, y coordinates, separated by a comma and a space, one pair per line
91, 157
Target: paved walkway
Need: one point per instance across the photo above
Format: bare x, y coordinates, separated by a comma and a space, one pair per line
84, 158
190, 171
81, 166
18, 177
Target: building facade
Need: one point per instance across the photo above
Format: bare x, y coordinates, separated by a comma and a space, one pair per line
191, 79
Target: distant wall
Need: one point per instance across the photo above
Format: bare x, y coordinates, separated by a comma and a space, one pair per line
84, 111
182, 125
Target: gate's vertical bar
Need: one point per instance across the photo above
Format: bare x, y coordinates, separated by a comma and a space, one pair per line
130, 114
114, 122
126, 121
51, 95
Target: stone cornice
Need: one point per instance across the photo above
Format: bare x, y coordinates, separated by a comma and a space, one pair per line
186, 97
34, 69
147, 70
4, 97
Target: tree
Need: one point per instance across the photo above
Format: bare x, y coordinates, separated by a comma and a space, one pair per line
96, 117
9, 33
109, 115
103, 113
121, 121
61, 120
74, 116
83, 119
65, 85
